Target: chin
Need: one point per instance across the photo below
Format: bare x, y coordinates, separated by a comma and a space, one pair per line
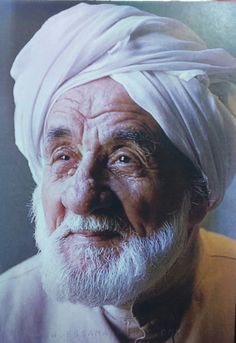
97, 276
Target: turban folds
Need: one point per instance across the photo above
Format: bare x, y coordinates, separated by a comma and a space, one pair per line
165, 67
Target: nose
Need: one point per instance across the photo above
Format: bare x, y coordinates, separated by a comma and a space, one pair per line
87, 192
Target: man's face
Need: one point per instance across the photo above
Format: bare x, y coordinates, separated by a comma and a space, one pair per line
107, 179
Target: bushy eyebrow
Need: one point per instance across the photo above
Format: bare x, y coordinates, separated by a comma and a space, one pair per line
54, 134
58, 132
140, 138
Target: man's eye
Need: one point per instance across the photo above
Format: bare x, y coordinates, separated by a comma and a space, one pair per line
64, 157
124, 159
61, 157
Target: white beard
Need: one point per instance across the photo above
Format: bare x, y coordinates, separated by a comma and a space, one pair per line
100, 276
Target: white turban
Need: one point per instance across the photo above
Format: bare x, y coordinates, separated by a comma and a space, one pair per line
162, 64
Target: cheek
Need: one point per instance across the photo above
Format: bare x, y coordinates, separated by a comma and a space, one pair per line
54, 211
140, 200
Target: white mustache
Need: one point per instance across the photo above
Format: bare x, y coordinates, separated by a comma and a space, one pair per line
74, 223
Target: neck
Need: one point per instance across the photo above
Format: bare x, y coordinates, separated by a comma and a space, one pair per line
165, 305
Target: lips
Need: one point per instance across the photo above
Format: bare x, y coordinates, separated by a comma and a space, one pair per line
96, 236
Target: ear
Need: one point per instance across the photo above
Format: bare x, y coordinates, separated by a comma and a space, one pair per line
198, 211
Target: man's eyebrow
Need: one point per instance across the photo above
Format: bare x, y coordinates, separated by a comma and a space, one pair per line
138, 137
141, 138
54, 133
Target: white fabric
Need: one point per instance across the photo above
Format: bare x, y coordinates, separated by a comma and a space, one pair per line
162, 64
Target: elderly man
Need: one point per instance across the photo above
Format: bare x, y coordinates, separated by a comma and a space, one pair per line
128, 124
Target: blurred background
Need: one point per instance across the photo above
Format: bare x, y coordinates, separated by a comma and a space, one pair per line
214, 22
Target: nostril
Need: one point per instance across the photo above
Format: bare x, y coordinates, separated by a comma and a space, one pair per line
107, 204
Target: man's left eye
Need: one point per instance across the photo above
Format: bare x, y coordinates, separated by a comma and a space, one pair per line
124, 159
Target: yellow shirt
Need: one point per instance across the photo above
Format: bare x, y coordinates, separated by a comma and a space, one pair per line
211, 317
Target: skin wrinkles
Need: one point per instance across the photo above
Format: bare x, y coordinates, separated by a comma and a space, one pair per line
105, 157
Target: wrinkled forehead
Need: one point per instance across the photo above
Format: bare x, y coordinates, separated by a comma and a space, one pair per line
94, 97
103, 99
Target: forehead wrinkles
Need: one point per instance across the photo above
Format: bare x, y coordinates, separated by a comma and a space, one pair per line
95, 97
68, 103
89, 108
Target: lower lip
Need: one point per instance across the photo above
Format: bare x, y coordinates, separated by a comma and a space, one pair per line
95, 238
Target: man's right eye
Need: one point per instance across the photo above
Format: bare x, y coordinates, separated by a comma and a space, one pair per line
64, 157
62, 161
